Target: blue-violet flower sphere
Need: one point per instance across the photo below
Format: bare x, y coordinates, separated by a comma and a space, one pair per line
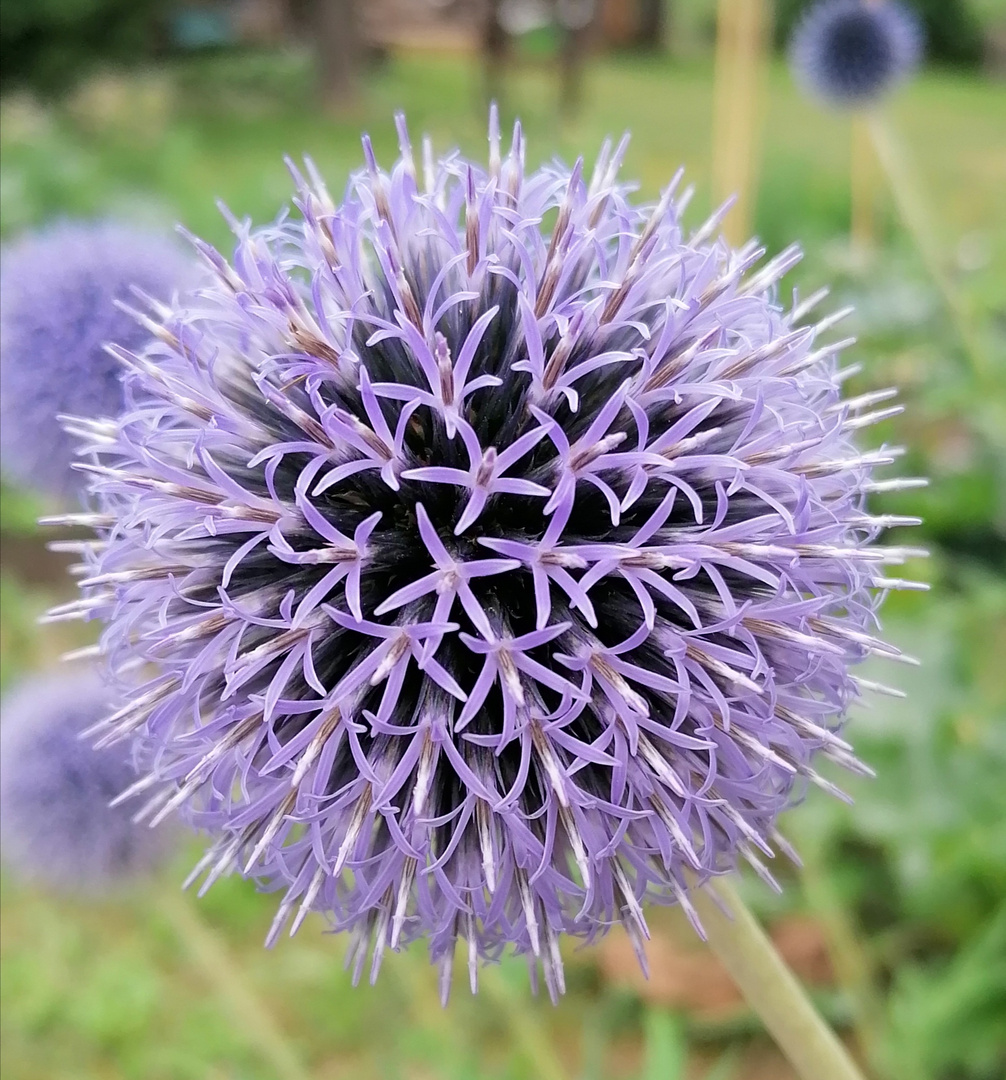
852, 52
58, 288
497, 578
56, 825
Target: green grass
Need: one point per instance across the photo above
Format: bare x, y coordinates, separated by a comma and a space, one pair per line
915, 871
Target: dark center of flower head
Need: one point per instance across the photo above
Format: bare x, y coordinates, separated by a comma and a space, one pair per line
850, 52
496, 578
859, 50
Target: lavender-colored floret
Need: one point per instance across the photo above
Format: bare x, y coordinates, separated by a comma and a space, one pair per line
56, 826
496, 580
57, 292
853, 52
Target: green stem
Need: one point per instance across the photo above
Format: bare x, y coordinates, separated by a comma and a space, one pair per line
250, 1017
850, 961
524, 1027
770, 988
523, 1024
914, 211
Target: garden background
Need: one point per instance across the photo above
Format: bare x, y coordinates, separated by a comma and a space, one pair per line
898, 919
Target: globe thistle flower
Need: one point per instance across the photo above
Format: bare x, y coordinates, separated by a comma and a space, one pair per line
497, 578
58, 293
56, 826
853, 52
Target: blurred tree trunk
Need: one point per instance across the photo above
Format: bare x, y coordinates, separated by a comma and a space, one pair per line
575, 19
338, 52
651, 27
494, 47
571, 71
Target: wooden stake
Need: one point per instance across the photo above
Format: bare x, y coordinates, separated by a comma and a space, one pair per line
741, 46
863, 189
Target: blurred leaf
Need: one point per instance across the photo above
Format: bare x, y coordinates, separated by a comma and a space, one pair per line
951, 1016
664, 1043
19, 510
726, 1067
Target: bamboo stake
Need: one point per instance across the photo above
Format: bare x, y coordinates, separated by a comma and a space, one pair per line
770, 987
741, 41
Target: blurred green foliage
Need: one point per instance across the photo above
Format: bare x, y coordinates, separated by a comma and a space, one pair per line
51, 43
915, 869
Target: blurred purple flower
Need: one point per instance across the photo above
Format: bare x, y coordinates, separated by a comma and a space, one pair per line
852, 52
496, 580
56, 826
57, 288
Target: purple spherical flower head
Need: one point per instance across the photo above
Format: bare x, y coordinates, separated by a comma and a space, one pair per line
58, 289
496, 579
56, 826
852, 52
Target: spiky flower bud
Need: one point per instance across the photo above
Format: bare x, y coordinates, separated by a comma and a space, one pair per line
497, 578
852, 52
56, 825
58, 293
